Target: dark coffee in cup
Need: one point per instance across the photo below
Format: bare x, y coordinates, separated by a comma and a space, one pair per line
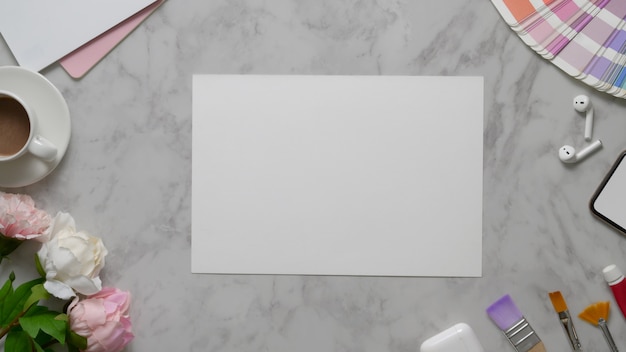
14, 126
19, 131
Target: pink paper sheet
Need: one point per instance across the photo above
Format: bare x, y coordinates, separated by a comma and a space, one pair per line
83, 59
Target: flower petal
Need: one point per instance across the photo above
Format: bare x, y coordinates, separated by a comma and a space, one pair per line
111, 336
59, 289
84, 285
61, 221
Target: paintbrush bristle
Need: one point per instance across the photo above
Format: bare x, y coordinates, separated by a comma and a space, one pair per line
504, 312
558, 301
593, 313
515, 327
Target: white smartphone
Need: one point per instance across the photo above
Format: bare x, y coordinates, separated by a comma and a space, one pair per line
609, 201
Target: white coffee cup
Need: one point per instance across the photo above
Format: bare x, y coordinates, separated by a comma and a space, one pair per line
19, 130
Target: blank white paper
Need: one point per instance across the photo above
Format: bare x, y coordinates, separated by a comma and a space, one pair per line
337, 175
40, 32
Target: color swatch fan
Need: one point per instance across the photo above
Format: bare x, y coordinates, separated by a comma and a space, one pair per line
584, 38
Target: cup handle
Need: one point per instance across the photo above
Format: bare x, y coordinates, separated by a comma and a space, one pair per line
42, 148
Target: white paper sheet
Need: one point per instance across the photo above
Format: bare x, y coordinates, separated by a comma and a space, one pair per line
337, 175
40, 32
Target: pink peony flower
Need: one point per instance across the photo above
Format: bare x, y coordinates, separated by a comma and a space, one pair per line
103, 319
20, 219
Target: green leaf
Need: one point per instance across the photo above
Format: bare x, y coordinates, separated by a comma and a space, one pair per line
13, 304
38, 292
18, 341
39, 267
5, 291
8, 245
61, 325
76, 342
7, 287
38, 347
44, 339
34, 310
52, 323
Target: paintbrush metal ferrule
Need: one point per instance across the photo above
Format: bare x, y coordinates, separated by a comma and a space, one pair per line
568, 326
514, 325
607, 335
522, 336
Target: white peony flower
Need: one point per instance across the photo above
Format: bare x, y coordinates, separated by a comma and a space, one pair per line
72, 260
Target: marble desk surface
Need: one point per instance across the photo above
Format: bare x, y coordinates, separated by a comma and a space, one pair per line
127, 177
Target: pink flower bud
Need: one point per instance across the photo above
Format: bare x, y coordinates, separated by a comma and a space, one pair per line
103, 319
20, 219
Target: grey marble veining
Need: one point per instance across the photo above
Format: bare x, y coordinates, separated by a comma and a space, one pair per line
127, 177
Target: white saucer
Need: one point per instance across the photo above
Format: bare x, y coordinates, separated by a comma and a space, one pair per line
54, 124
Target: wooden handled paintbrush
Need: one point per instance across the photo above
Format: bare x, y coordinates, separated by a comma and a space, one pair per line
514, 326
566, 320
598, 315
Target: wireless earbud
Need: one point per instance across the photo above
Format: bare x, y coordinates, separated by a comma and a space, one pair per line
583, 104
568, 154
